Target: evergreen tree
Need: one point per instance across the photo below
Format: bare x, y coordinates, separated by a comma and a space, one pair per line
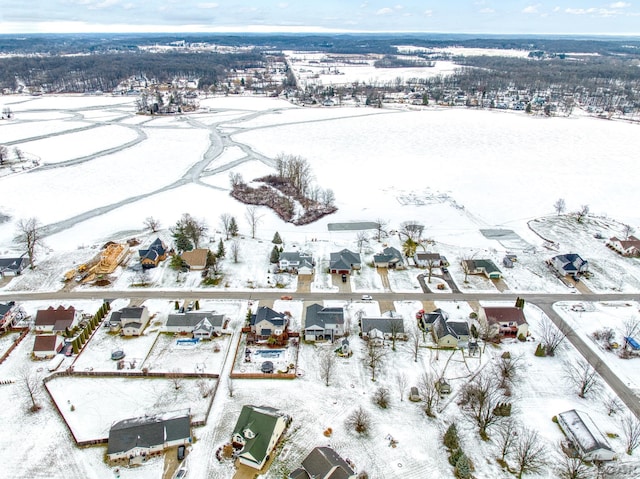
182, 242
233, 226
455, 455
450, 439
463, 468
275, 255
176, 305
197, 305
276, 238
221, 252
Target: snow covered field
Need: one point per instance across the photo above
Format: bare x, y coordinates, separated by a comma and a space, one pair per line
457, 171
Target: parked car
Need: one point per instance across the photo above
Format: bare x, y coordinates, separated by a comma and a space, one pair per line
366, 297
181, 473
181, 450
344, 278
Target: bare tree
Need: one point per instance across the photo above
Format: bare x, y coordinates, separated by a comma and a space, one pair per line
235, 179
630, 328
627, 230
362, 238
412, 229
327, 366
225, 223
479, 399
152, 223
359, 420
205, 387
381, 229
396, 330
559, 206
414, 343
583, 377
465, 264
189, 227
29, 388
613, 405
551, 336
431, 265
18, 154
582, 213
572, 468
29, 237
328, 197
427, 386
530, 453
176, 377
4, 153
374, 357
507, 436
631, 429
253, 218
509, 367
402, 382
234, 249
381, 397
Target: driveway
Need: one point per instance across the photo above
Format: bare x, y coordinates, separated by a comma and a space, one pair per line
336, 280
304, 283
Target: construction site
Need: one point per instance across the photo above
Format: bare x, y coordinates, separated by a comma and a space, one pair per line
95, 270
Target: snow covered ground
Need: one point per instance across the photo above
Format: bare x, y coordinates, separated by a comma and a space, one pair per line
456, 171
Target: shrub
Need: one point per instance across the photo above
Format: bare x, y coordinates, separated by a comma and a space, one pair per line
540, 351
463, 468
450, 439
455, 455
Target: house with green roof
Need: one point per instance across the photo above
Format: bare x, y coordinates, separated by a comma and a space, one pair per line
257, 433
482, 266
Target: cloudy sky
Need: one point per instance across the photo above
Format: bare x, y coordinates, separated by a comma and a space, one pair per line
450, 16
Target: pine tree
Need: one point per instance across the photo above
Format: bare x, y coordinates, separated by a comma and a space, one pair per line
233, 226
463, 468
275, 255
451, 438
176, 305
276, 238
197, 305
221, 252
455, 455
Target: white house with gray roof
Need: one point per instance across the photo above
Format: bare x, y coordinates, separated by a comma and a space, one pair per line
384, 327
296, 262
585, 436
130, 321
322, 323
569, 264
136, 438
202, 324
343, 262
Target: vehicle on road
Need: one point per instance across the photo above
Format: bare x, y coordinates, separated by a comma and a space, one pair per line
366, 297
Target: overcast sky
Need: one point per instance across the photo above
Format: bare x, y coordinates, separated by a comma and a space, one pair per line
444, 16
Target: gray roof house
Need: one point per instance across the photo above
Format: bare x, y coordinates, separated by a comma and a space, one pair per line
428, 319
296, 262
482, 266
267, 322
130, 321
256, 434
343, 262
192, 322
569, 264
389, 258
447, 334
381, 328
585, 436
13, 266
323, 323
135, 438
423, 260
323, 463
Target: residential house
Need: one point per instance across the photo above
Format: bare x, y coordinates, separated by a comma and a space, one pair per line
136, 438
322, 323
130, 321
151, 257
482, 266
423, 260
13, 266
195, 260
266, 322
389, 258
47, 345
323, 463
344, 262
569, 264
449, 334
385, 327
628, 247
202, 324
56, 320
427, 320
296, 262
507, 321
585, 436
257, 433
7, 315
